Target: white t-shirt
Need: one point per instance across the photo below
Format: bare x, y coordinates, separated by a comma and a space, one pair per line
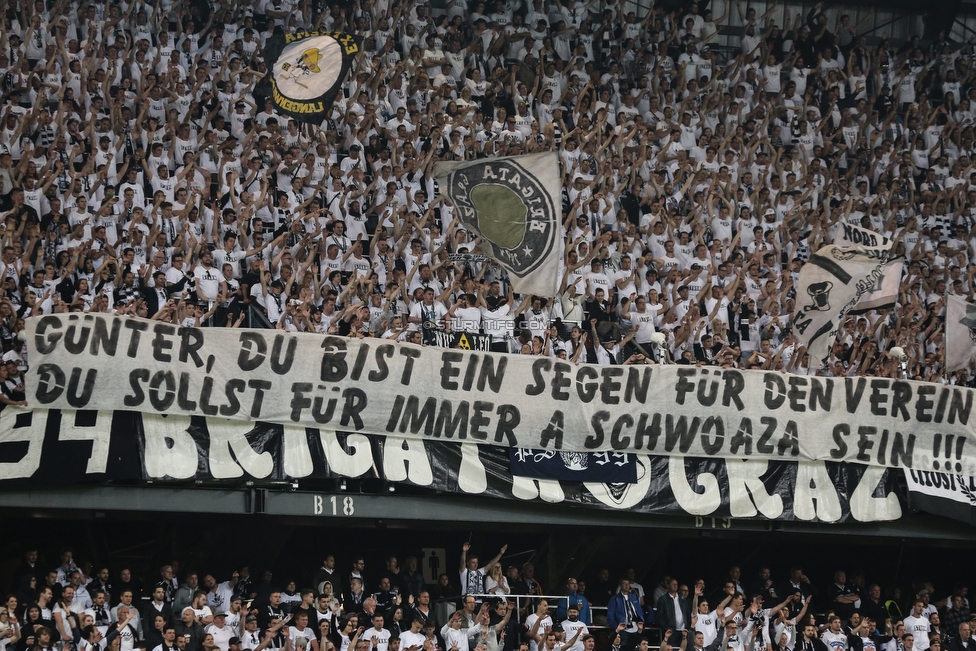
381, 636
409, 639
530, 624
834, 641
789, 628
127, 638
570, 629
208, 280
221, 635
706, 625
919, 627
308, 633
220, 598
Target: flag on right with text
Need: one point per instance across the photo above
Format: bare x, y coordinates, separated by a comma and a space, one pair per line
960, 333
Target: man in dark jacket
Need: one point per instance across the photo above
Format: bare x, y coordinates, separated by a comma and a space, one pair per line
674, 612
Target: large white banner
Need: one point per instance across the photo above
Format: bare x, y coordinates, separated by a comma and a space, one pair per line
95, 361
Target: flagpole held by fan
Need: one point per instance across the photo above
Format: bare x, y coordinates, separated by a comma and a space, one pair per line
898, 354
659, 339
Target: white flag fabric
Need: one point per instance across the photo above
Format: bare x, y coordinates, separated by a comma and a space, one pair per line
884, 294
885, 291
960, 333
831, 283
514, 205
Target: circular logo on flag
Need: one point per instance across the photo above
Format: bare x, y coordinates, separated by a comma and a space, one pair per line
513, 212
308, 67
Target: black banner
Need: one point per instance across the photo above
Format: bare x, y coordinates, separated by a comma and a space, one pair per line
942, 493
462, 340
46, 448
308, 70
612, 467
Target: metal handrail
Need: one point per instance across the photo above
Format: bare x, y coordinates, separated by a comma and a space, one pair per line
257, 319
553, 599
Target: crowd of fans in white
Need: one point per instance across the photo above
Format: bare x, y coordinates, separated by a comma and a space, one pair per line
145, 171
490, 606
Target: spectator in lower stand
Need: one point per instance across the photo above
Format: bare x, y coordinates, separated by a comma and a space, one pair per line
384, 596
456, 639
158, 606
798, 581
168, 639
918, 625
844, 599
573, 628
674, 612
834, 637
421, 607
872, 606
220, 632
704, 619
328, 572
468, 612
528, 585
495, 582
82, 600
764, 585
250, 635
190, 628
128, 582
201, 611
810, 641
625, 616
165, 582
937, 632
411, 578
601, 588
352, 600
955, 614
306, 604
573, 597
473, 576
392, 573
368, 610
413, 638
506, 628
538, 624
184, 595
964, 640
301, 634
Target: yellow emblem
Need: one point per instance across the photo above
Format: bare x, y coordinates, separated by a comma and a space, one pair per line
311, 58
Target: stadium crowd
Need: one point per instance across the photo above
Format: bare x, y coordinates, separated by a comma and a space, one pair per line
484, 606
145, 171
